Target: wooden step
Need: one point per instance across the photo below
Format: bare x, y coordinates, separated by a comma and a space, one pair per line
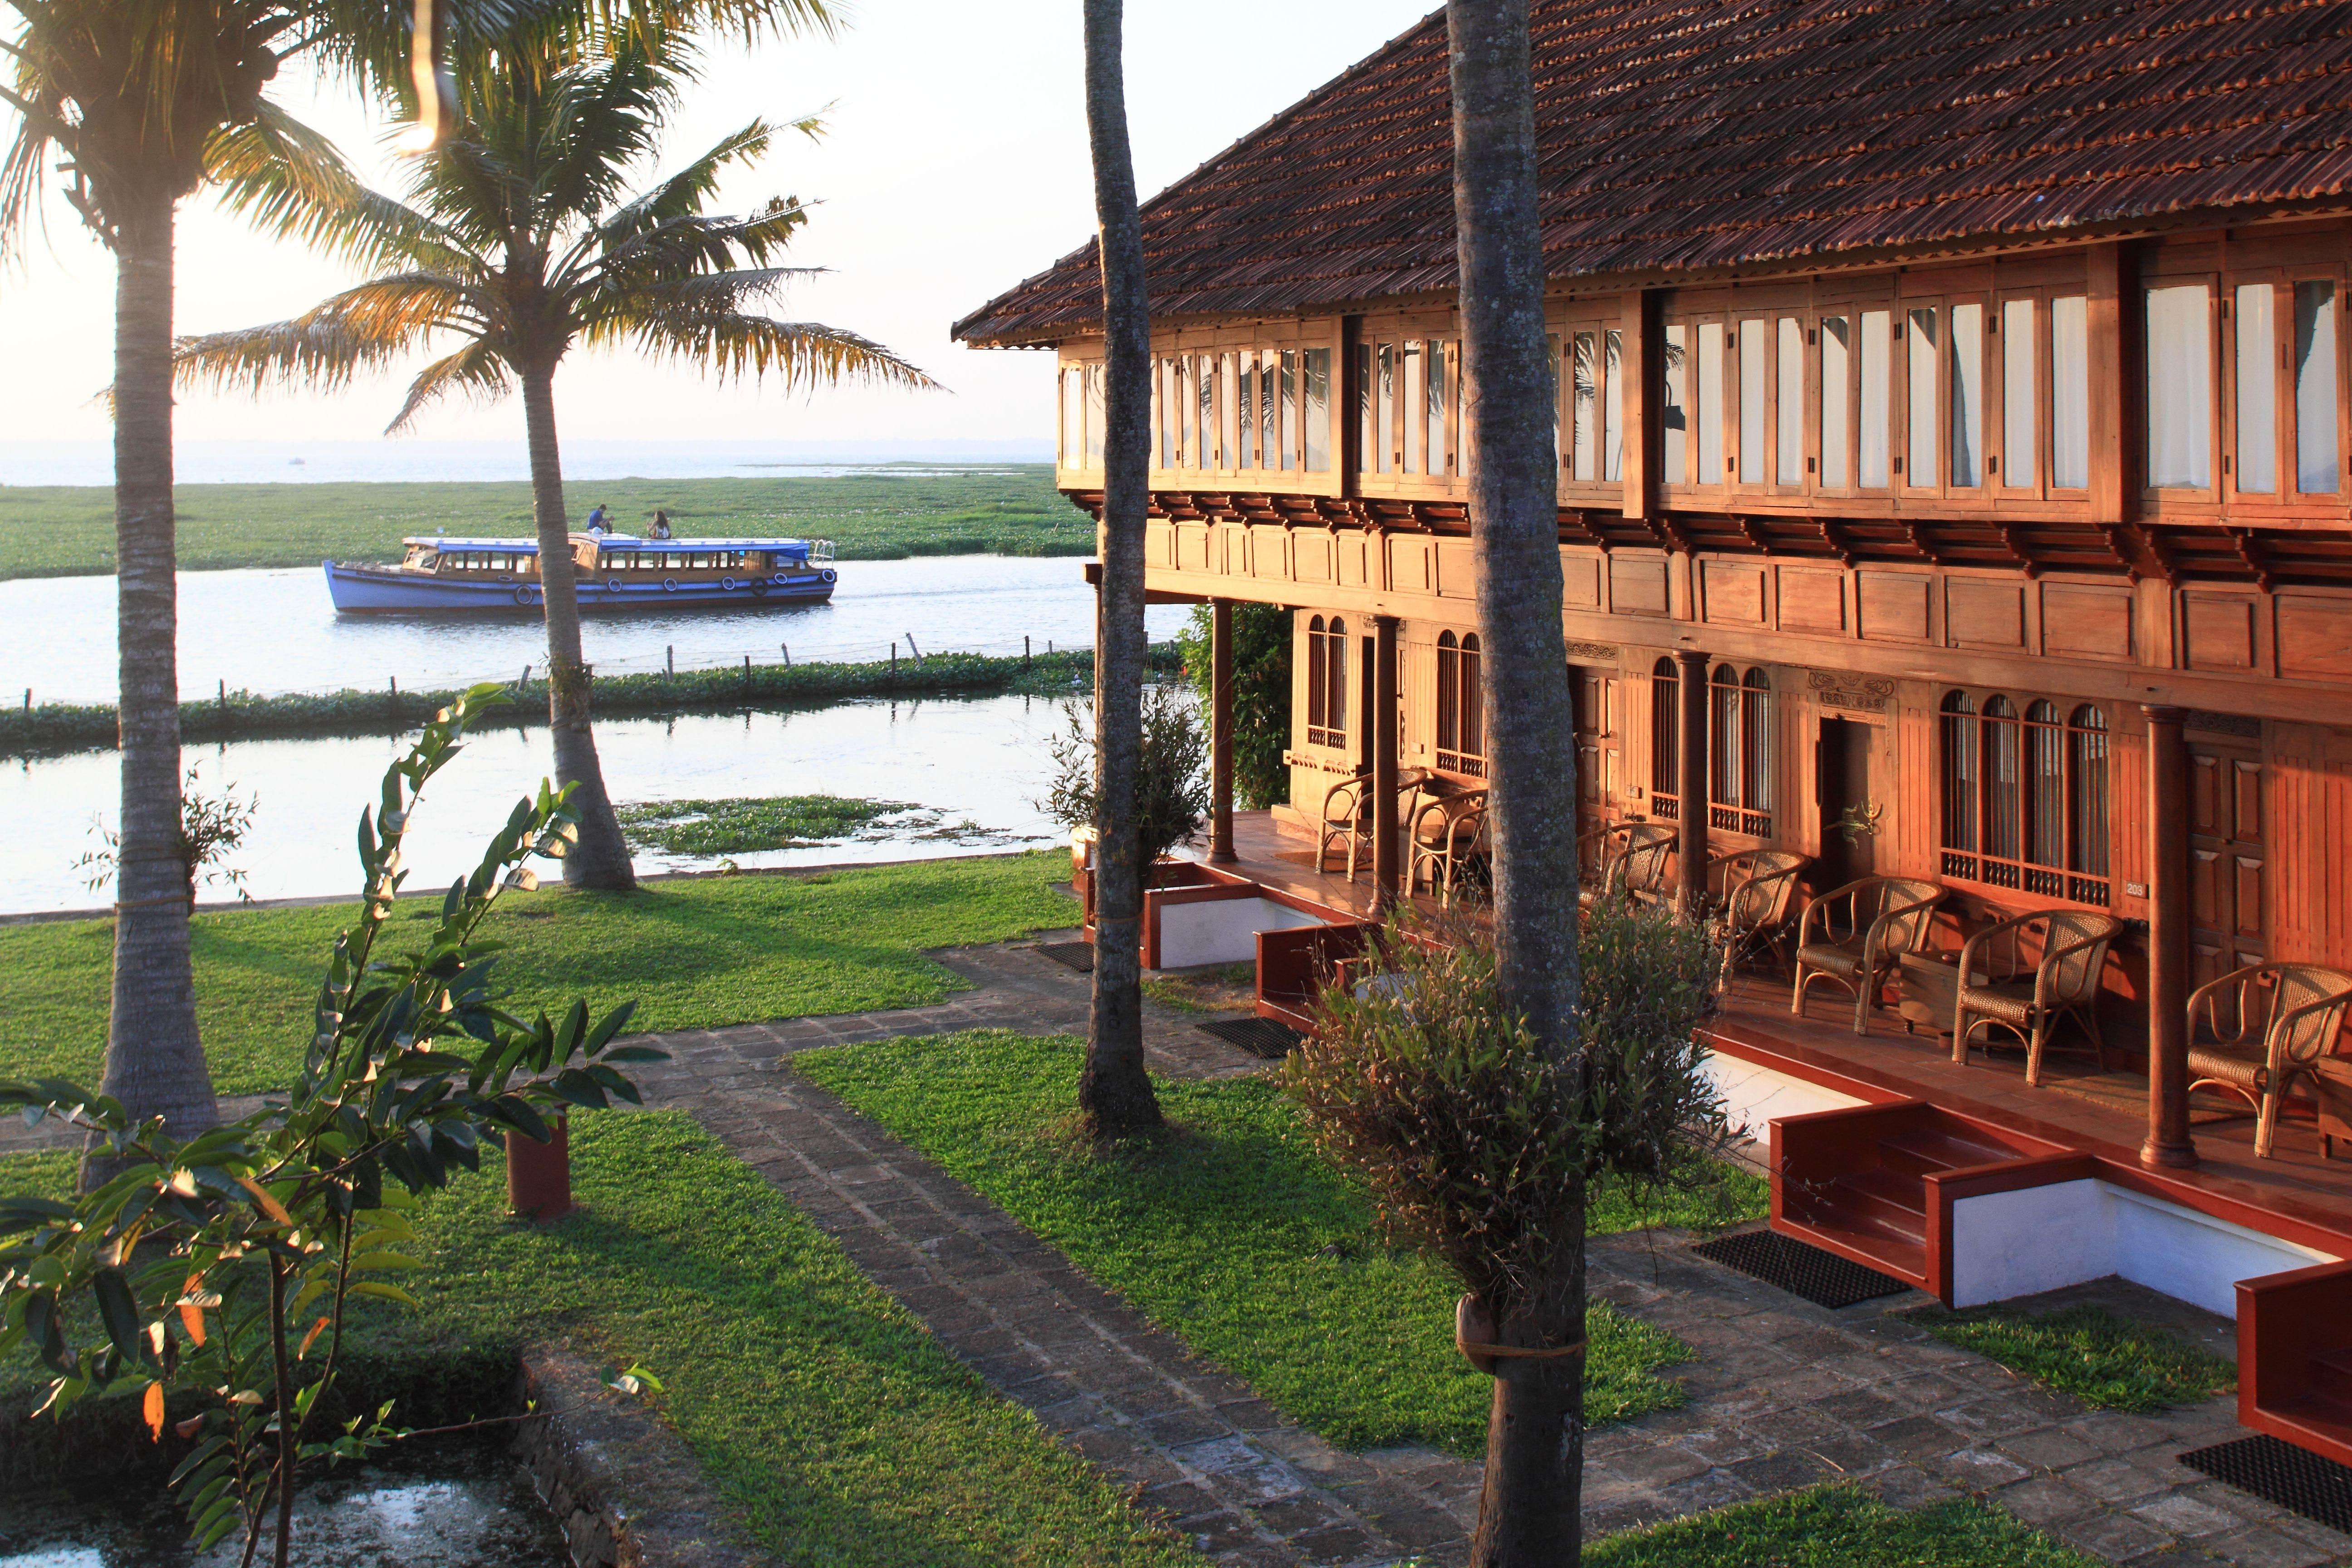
1875, 1248
1884, 1199
2331, 1376
1928, 1150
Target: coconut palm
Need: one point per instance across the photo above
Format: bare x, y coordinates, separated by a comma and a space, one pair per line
521, 241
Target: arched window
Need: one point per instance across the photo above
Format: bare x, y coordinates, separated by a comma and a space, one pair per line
1740, 783
1326, 682
2025, 796
1665, 742
1461, 722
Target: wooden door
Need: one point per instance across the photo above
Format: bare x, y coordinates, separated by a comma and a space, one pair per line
2227, 881
1842, 760
1599, 747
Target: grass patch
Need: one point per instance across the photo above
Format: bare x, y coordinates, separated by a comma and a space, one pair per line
62, 531
833, 1425
1206, 994
2106, 1362
1231, 1233
695, 955
743, 826
1837, 1527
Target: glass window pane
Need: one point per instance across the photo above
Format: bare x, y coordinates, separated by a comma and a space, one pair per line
1384, 410
1245, 410
1367, 439
2179, 389
1434, 417
1751, 403
1206, 381
2020, 450
1159, 413
1612, 409
1920, 452
1412, 393
1790, 454
1967, 394
1836, 415
1316, 394
1675, 415
2070, 392
1228, 414
1877, 373
1581, 372
1074, 423
1289, 406
2257, 421
2317, 469
1093, 417
1710, 402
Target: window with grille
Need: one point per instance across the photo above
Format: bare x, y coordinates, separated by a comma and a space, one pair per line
1461, 738
2025, 796
1326, 682
1665, 737
1739, 774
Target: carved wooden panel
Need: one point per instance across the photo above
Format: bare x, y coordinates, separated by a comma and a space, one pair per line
1192, 548
2315, 637
2219, 630
1457, 570
1579, 581
1355, 560
1981, 613
1734, 592
1409, 567
1892, 605
1637, 584
1311, 555
1270, 553
1812, 600
2228, 861
2079, 621
1160, 544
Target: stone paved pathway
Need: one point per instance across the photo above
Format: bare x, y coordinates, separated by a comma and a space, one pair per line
1783, 1393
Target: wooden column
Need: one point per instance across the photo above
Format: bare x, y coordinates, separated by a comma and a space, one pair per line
2169, 1144
1640, 367
1382, 725
1690, 881
1221, 731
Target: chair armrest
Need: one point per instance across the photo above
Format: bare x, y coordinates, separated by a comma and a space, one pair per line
1874, 945
2283, 1028
2203, 997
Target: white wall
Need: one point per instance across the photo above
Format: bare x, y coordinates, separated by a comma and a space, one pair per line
1221, 931
1753, 1095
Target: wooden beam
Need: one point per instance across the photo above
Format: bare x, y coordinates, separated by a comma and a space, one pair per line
2113, 397
1644, 368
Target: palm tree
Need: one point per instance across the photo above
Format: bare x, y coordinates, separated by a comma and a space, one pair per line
1528, 1509
1115, 1093
521, 240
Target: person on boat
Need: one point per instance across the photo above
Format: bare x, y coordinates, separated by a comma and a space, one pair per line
661, 525
597, 524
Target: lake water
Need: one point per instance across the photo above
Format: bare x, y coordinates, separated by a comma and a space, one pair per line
975, 767
327, 462
276, 631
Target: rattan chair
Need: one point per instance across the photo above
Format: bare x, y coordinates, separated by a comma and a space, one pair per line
1883, 919
1999, 987
1449, 834
2280, 1018
1635, 858
1348, 814
1759, 889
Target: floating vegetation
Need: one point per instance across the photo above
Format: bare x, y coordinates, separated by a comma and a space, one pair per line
746, 825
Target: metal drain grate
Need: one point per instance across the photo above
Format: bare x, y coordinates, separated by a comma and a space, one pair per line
1822, 1278
1259, 1037
2279, 1472
1077, 956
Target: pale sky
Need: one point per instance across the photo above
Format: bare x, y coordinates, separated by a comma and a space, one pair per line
956, 166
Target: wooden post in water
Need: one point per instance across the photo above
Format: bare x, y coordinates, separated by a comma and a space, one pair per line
894, 664
395, 698
1025, 650
669, 660
747, 675
786, 649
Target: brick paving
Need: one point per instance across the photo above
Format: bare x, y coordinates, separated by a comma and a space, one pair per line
1783, 1393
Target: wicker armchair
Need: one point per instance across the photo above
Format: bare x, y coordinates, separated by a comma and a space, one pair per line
1449, 833
2264, 1029
1348, 814
2000, 988
1759, 889
1856, 936
1634, 856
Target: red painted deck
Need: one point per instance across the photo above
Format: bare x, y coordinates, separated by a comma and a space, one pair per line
2296, 1195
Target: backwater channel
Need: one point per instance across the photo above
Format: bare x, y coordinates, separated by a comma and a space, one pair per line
972, 770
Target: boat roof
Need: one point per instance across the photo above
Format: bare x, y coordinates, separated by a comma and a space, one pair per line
530, 546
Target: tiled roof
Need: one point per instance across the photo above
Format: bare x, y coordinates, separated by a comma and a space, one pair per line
1698, 133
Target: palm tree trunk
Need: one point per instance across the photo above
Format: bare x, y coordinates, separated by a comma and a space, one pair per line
601, 859
154, 1058
1527, 1511
1114, 1092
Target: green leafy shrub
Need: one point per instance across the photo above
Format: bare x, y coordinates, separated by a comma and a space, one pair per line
1261, 696
1172, 785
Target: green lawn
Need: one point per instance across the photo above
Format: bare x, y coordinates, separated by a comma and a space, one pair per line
694, 954
1837, 1527
48, 531
2104, 1361
1231, 1233
833, 1424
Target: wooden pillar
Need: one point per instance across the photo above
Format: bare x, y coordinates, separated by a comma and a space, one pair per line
1690, 881
2169, 1144
1221, 731
1382, 722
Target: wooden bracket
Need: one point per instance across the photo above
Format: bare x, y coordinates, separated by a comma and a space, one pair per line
1754, 533
1917, 535
1669, 533
2250, 550
2118, 540
1832, 536
1577, 523
2018, 552
2166, 566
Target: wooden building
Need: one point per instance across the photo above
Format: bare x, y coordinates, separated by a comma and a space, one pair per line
1954, 437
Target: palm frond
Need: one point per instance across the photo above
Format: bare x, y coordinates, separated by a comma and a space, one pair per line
360, 330
682, 195
476, 369
291, 182
20, 185
803, 355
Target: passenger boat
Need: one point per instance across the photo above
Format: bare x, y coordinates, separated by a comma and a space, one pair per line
611, 570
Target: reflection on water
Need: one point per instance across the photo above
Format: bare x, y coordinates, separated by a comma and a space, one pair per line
457, 1505
275, 631
984, 762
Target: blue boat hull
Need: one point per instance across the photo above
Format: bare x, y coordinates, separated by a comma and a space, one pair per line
360, 590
